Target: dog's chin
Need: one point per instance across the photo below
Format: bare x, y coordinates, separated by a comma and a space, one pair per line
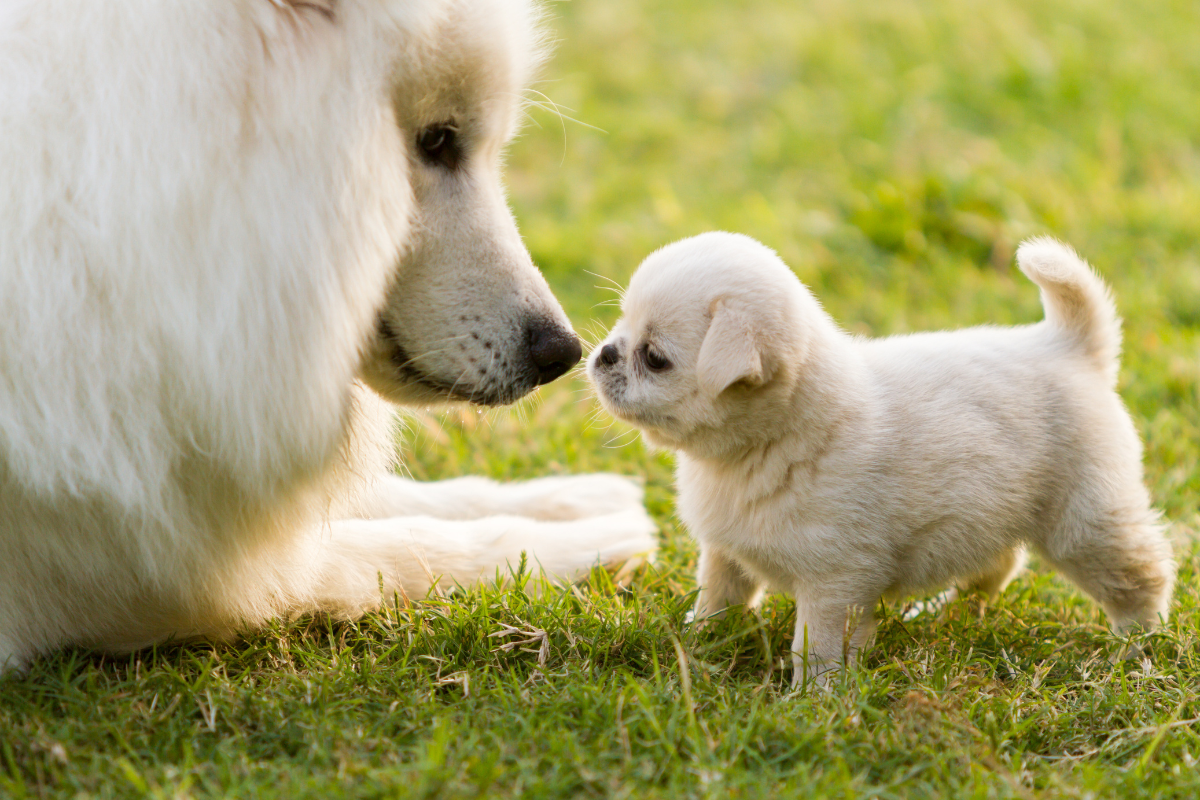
413, 388
391, 373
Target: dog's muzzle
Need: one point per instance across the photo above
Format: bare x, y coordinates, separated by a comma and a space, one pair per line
553, 350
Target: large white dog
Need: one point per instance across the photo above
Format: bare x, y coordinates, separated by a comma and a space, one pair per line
218, 220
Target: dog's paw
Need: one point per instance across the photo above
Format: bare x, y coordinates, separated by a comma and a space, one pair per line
570, 497
625, 535
620, 543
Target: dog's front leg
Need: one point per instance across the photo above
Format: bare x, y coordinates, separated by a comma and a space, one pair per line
564, 497
349, 559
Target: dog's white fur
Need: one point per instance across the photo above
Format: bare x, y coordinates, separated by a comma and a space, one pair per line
215, 219
841, 469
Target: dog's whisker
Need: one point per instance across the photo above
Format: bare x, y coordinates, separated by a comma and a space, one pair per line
413, 359
554, 108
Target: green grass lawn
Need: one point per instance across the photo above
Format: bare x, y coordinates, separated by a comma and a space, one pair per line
894, 153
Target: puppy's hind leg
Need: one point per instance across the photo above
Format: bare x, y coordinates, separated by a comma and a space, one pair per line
991, 582
1123, 560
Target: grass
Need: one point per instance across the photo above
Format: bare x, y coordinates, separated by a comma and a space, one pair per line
894, 153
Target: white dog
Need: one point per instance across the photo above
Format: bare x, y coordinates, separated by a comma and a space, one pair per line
215, 219
841, 469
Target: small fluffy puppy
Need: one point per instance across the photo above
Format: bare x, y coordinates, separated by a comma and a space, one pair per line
841, 469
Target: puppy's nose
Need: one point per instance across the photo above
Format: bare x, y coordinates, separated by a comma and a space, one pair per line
554, 350
609, 355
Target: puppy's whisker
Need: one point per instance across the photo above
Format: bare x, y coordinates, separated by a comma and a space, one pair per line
589, 334
615, 443
616, 286
594, 421
595, 426
591, 339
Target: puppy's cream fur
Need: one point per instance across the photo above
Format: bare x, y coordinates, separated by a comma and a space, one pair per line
841, 469
217, 218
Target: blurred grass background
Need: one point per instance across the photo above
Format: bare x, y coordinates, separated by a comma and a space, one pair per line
894, 154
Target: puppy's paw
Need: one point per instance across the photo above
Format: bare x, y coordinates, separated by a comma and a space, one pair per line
704, 619
12, 662
820, 675
933, 605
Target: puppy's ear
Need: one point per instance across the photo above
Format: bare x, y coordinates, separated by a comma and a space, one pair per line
729, 353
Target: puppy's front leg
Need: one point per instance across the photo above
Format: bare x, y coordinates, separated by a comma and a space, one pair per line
12, 658
829, 633
723, 583
563, 497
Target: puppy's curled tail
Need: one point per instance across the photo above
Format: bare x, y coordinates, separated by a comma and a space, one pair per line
1076, 301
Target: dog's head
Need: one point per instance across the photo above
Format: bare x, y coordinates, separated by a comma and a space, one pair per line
468, 315
714, 330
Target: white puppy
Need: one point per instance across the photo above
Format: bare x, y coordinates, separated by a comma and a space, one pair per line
841, 469
215, 219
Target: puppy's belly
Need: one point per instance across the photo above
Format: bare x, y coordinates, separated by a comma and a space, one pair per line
799, 551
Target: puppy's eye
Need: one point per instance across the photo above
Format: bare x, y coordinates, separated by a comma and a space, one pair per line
655, 361
439, 145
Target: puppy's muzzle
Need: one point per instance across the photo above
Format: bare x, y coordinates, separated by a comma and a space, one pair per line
553, 350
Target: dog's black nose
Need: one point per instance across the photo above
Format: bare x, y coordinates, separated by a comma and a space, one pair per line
609, 355
554, 350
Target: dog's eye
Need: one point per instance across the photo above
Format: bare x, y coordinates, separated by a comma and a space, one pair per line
439, 145
655, 361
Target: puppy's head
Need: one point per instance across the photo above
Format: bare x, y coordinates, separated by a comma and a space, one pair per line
468, 316
714, 330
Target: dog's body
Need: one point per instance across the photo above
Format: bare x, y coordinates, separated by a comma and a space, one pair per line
841, 470
216, 219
